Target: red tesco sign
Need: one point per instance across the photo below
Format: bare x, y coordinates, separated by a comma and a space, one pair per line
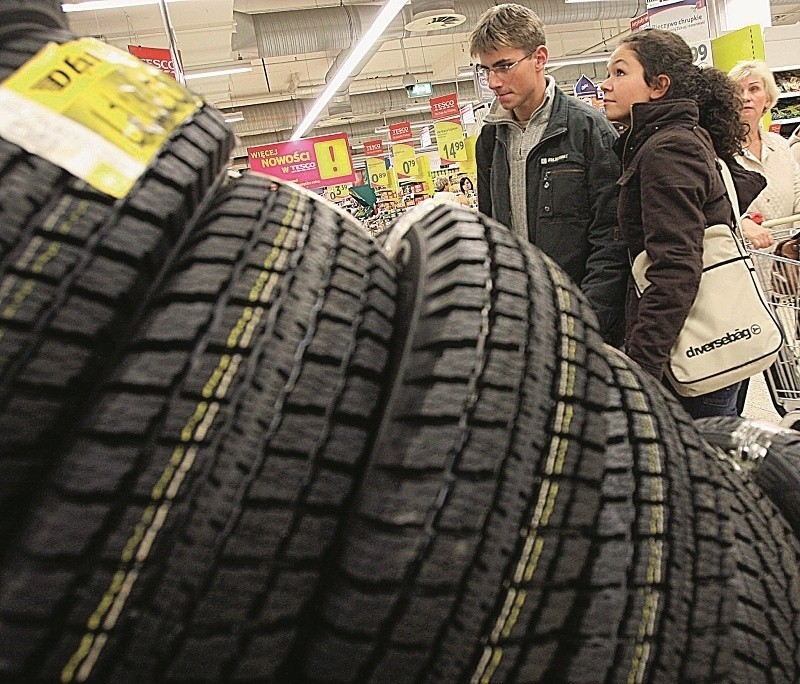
160, 58
445, 107
374, 148
400, 131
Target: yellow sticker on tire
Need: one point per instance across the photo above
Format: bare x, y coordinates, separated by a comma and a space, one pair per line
93, 110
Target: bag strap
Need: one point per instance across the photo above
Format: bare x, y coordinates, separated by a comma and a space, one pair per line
732, 197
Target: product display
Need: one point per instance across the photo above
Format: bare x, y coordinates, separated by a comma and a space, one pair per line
787, 109
243, 440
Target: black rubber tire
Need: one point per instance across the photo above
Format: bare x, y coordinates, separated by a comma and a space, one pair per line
662, 570
488, 459
752, 632
768, 453
305, 299
766, 633
76, 269
21, 16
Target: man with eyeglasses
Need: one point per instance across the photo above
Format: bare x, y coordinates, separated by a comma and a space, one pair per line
546, 167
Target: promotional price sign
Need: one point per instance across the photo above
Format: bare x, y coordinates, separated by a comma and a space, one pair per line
424, 172
470, 166
405, 161
400, 131
373, 148
378, 176
450, 141
445, 107
160, 58
334, 192
687, 18
394, 183
310, 162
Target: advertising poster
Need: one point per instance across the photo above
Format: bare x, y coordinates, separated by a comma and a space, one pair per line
405, 160
309, 162
450, 141
378, 175
687, 18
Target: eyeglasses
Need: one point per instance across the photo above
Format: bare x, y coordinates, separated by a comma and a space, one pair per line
500, 70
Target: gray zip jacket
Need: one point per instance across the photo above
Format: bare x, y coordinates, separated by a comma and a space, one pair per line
571, 181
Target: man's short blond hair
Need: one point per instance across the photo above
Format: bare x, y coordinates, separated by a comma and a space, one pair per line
757, 69
508, 25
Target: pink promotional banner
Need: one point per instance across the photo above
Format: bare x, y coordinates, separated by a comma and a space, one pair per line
310, 162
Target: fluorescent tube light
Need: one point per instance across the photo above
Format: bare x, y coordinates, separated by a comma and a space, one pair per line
222, 71
233, 117
385, 17
90, 5
578, 59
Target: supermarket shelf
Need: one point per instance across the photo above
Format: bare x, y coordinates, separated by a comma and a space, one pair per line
793, 119
783, 96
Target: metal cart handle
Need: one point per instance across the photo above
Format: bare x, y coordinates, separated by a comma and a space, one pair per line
780, 221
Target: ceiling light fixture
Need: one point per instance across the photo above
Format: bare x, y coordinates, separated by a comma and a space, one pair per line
221, 71
91, 5
233, 117
385, 17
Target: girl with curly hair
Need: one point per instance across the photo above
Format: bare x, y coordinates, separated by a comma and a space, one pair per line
679, 119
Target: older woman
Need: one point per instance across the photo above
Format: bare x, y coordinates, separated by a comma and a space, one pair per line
767, 153
794, 144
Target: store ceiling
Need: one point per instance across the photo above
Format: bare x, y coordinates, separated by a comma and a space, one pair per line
291, 45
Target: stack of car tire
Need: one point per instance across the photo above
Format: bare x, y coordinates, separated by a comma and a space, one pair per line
240, 440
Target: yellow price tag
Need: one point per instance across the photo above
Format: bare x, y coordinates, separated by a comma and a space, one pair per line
333, 160
378, 175
469, 165
405, 160
334, 192
112, 112
450, 140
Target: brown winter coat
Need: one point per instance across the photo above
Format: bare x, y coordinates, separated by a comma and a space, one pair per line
670, 191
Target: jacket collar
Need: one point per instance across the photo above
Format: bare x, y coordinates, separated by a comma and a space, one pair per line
648, 117
768, 142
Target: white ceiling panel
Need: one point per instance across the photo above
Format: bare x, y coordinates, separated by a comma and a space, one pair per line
204, 31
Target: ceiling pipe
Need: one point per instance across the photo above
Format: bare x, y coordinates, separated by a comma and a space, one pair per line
292, 32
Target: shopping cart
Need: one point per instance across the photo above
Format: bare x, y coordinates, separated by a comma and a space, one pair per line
780, 280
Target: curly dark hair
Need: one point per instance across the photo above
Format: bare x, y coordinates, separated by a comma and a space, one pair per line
716, 95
